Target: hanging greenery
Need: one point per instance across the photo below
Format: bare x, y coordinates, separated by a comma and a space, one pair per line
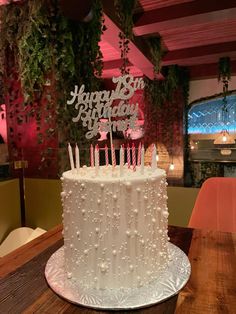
124, 11
224, 69
158, 92
51, 50
155, 45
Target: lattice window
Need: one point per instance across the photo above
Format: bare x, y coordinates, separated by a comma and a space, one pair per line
207, 117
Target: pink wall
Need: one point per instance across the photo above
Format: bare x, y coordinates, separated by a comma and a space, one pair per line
3, 126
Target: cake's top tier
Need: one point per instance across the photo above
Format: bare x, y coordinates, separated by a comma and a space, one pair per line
112, 174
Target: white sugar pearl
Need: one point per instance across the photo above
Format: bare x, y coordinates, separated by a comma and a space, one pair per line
128, 233
128, 185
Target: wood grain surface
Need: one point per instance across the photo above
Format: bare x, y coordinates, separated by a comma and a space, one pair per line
212, 285
211, 288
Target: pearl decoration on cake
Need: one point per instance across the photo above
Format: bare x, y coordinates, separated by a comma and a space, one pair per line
118, 246
128, 185
165, 214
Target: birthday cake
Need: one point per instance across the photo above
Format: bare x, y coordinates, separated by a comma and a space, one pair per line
115, 225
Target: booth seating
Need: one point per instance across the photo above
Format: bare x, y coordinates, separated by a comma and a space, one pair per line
215, 206
19, 237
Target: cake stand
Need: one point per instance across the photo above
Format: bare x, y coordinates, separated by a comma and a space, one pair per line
168, 284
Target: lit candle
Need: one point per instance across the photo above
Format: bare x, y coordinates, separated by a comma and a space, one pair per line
72, 166
133, 157
91, 156
96, 160
142, 160
121, 161
106, 155
154, 161
77, 159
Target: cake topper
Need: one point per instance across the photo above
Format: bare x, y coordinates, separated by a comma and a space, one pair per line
95, 109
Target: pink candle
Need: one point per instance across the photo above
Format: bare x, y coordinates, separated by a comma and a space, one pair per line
97, 149
139, 154
96, 160
128, 156
121, 160
91, 156
133, 157
142, 160
106, 155
113, 156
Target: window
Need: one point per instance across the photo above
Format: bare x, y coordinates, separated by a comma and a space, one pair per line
207, 117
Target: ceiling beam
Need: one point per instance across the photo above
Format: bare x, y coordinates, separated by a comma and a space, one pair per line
186, 55
205, 71
114, 64
139, 53
185, 14
135, 55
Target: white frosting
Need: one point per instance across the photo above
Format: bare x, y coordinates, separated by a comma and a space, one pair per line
115, 227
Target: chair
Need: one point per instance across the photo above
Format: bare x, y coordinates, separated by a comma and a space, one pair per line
215, 206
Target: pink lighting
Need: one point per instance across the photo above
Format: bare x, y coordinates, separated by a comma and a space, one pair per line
3, 125
136, 57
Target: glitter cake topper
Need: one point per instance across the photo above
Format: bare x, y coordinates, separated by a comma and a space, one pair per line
95, 109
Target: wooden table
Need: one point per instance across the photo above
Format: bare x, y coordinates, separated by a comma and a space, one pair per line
211, 288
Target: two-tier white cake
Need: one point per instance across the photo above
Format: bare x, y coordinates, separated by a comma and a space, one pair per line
115, 226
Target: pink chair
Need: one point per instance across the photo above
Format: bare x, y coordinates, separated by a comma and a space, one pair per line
215, 206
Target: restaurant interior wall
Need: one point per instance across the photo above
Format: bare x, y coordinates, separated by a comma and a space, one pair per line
207, 87
207, 158
10, 212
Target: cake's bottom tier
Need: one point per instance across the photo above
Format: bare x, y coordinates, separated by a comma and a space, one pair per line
170, 281
120, 271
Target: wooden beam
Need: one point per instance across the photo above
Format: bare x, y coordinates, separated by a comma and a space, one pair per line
113, 64
139, 54
135, 56
186, 55
205, 71
185, 14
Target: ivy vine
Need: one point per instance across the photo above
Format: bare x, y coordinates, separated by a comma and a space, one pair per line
224, 69
224, 75
52, 53
156, 51
124, 11
160, 92
157, 92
